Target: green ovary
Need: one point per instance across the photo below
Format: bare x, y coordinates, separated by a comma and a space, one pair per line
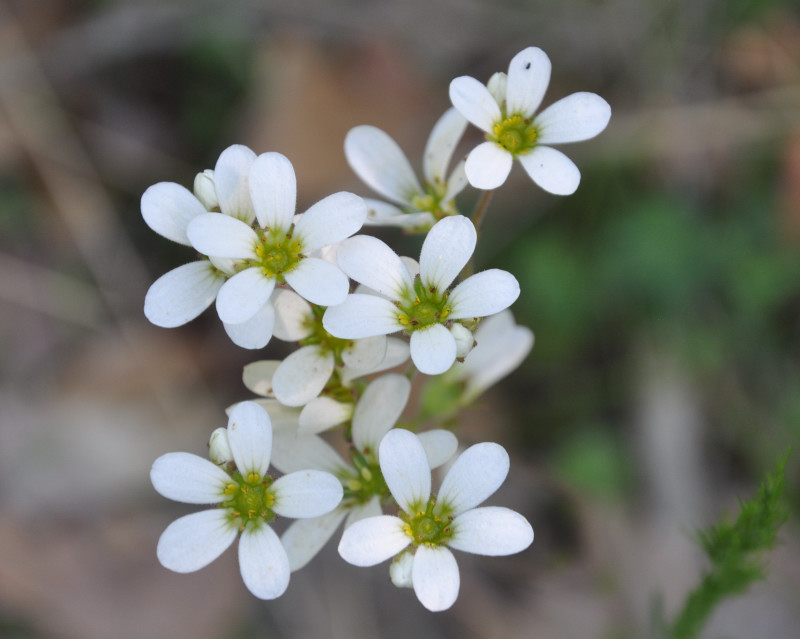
431, 201
426, 527
515, 134
277, 253
318, 336
249, 499
428, 307
366, 482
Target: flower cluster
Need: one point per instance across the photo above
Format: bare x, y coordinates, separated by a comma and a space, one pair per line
357, 312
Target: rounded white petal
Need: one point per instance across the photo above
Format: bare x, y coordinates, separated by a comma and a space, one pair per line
361, 316
484, 293
292, 452
318, 281
433, 349
263, 562
443, 140
497, 86
219, 449
474, 102
492, 531
446, 250
474, 476
370, 541
306, 493
464, 339
302, 376
293, 316
371, 262
488, 165
528, 77
380, 212
551, 170
397, 352
222, 236
371, 508
244, 295
322, 413
365, 354
273, 189
457, 181
182, 294
435, 577
167, 208
257, 376
194, 541
400, 570
405, 468
331, 220
250, 437
375, 157
379, 409
255, 332
231, 182
440, 445
306, 537
205, 190
188, 478
579, 116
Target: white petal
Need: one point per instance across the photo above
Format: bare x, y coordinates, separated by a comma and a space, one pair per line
273, 189
474, 102
362, 511
365, 354
474, 476
231, 182
194, 541
182, 294
577, 117
293, 316
250, 437
302, 376
318, 281
397, 352
488, 165
244, 295
255, 332
440, 445
167, 208
491, 531
457, 181
370, 541
322, 413
551, 170
435, 577
400, 570
433, 349
257, 376
528, 77
361, 316
497, 85
283, 418
405, 468
484, 293
371, 262
306, 493
380, 163
331, 220
263, 562
446, 250
443, 140
379, 409
222, 236
378, 211
306, 537
188, 478
292, 452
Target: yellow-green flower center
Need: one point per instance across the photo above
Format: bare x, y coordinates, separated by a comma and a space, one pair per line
249, 499
278, 253
318, 336
366, 482
428, 306
426, 527
431, 201
515, 134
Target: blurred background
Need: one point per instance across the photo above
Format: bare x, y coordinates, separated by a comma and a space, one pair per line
665, 298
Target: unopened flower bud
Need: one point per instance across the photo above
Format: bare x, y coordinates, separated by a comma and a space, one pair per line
464, 340
219, 449
400, 570
205, 191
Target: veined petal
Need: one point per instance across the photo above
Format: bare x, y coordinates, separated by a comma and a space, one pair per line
263, 562
379, 409
375, 157
194, 541
188, 478
477, 473
231, 182
482, 294
222, 236
331, 220
528, 77
306, 537
302, 375
474, 102
360, 316
244, 295
488, 165
306, 493
551, 170
433, 349
322, 413
370, 541
257, 376
182, 294
405, 468
443, 140
492, 531
446, 249
292, 316
292, 452
318, 281
250, 438
579, 116
440, 445
255, 332
435, 577
371, 262
167, 208
273, 189
365, 354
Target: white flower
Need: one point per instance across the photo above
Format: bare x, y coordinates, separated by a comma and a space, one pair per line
421, 306
504, 110
247, 500
380, 163
428, 527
